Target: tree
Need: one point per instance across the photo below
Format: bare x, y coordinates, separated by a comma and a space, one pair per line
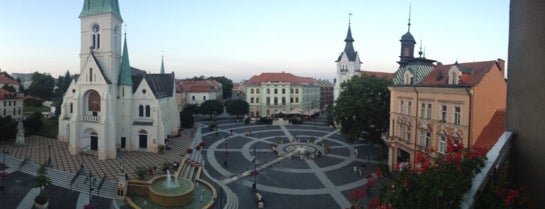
8, 128
41, 181
9, 88
61, 85
187, 119
33, 123
192, 108
363, 106
211, 107
42, 86
238, 107
227, 85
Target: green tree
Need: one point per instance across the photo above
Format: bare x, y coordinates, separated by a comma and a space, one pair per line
186, 119
9, 88
42, 86
363, 106
227, 85
8, 128
33, 123
192, 108
61, 85
41, 181
237, 107
211, 107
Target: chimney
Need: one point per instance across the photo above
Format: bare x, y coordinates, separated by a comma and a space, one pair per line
501, 64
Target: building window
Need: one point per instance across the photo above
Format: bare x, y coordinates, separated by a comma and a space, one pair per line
296, 99
15, 103
251, 91
400, 129
401, 106
252, 100
283, 91
275, 91
71, 107
268, 91
291, 91
204, 98
268, 100
409, 107
422, 109
297, 91
442, 144
257, 91
148, 108
94, 102
276, 100
408, 133
425, 137
429, 111
193, 98
291, 99
257, 100
91, 74
443, 113
141, 111
457, 115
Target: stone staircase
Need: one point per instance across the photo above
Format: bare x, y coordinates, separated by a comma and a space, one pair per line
108, 189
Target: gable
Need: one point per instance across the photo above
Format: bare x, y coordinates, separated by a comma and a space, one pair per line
91, 72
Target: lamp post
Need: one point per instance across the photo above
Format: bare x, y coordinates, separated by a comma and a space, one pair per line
90, 186
255, 168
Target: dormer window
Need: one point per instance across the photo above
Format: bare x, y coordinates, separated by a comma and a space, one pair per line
454, 76
408, 77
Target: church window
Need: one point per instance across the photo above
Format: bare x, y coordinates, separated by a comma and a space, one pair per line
95, 38
144, 91
71, 107
94, 101
91, 74
406, 52
123, 91
147, 110
204, 98
141, 111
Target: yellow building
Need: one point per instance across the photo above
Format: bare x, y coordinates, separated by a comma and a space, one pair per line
455, 101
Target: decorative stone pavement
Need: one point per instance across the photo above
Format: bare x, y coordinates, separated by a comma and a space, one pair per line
287, 177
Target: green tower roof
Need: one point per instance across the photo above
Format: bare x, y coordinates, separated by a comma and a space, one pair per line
125, 71
162, 66
95, 7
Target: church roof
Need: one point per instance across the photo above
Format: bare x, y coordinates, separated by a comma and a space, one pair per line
162, 85
162, 66
100, 69
95, 7
349, 47
408, 37
125, 71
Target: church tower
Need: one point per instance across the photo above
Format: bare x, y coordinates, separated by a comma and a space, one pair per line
407, 45
348, 63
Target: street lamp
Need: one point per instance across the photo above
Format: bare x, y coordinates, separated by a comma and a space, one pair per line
91, 182
255, 168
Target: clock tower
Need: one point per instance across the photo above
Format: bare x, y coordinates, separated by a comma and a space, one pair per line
101, 24
348, 64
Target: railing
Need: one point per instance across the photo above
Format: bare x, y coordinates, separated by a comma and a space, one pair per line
495, 157
91, 118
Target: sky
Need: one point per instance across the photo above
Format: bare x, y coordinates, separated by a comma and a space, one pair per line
241, 38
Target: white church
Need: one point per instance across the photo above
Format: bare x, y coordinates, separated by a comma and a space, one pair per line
348, 64
111, 106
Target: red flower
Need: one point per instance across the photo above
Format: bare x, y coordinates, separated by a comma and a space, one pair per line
374, 204
378, 171
357, 194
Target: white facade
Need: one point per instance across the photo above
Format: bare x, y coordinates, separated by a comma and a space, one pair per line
101, 113
348, 65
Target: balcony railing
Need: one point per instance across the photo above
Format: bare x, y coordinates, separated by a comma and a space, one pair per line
496, 155
91, 118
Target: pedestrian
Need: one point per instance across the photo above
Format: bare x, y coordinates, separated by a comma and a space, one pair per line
356, 152
360, 171
355, 169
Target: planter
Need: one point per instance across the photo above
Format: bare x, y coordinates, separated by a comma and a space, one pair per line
41, 206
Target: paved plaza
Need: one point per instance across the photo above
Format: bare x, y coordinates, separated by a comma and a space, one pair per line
287, 177
308, 165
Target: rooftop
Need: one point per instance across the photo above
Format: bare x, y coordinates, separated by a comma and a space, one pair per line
280, 77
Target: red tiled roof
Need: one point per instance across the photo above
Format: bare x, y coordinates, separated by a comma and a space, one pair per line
5, 94
492, 131
389, 76
472, 73
280, 77
5, 80
197, 86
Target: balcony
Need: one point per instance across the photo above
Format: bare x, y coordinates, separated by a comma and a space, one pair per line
91, 118
497, 154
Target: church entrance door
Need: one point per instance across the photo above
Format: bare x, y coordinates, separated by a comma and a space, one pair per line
143, 139
94, 142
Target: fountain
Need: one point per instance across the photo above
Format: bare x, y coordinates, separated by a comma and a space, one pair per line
170, 190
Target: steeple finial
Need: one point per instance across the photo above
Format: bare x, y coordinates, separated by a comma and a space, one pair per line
125, 71
162, 64
409, 24
420, 52
349, 18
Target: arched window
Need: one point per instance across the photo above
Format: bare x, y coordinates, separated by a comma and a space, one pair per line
94, 101
90, 74
71, 107
147, 110
141, 111
95, 37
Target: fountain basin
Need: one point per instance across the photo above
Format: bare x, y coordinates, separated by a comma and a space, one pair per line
169, 196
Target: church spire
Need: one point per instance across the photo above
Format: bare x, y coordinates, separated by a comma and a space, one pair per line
409, 24
125, 71
97, 7
162, 65
349, 47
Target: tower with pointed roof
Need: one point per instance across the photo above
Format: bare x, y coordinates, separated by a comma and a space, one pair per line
348, 63
407, 45
111, 105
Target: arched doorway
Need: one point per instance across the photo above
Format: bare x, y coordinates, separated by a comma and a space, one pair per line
143, 139
94, 141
